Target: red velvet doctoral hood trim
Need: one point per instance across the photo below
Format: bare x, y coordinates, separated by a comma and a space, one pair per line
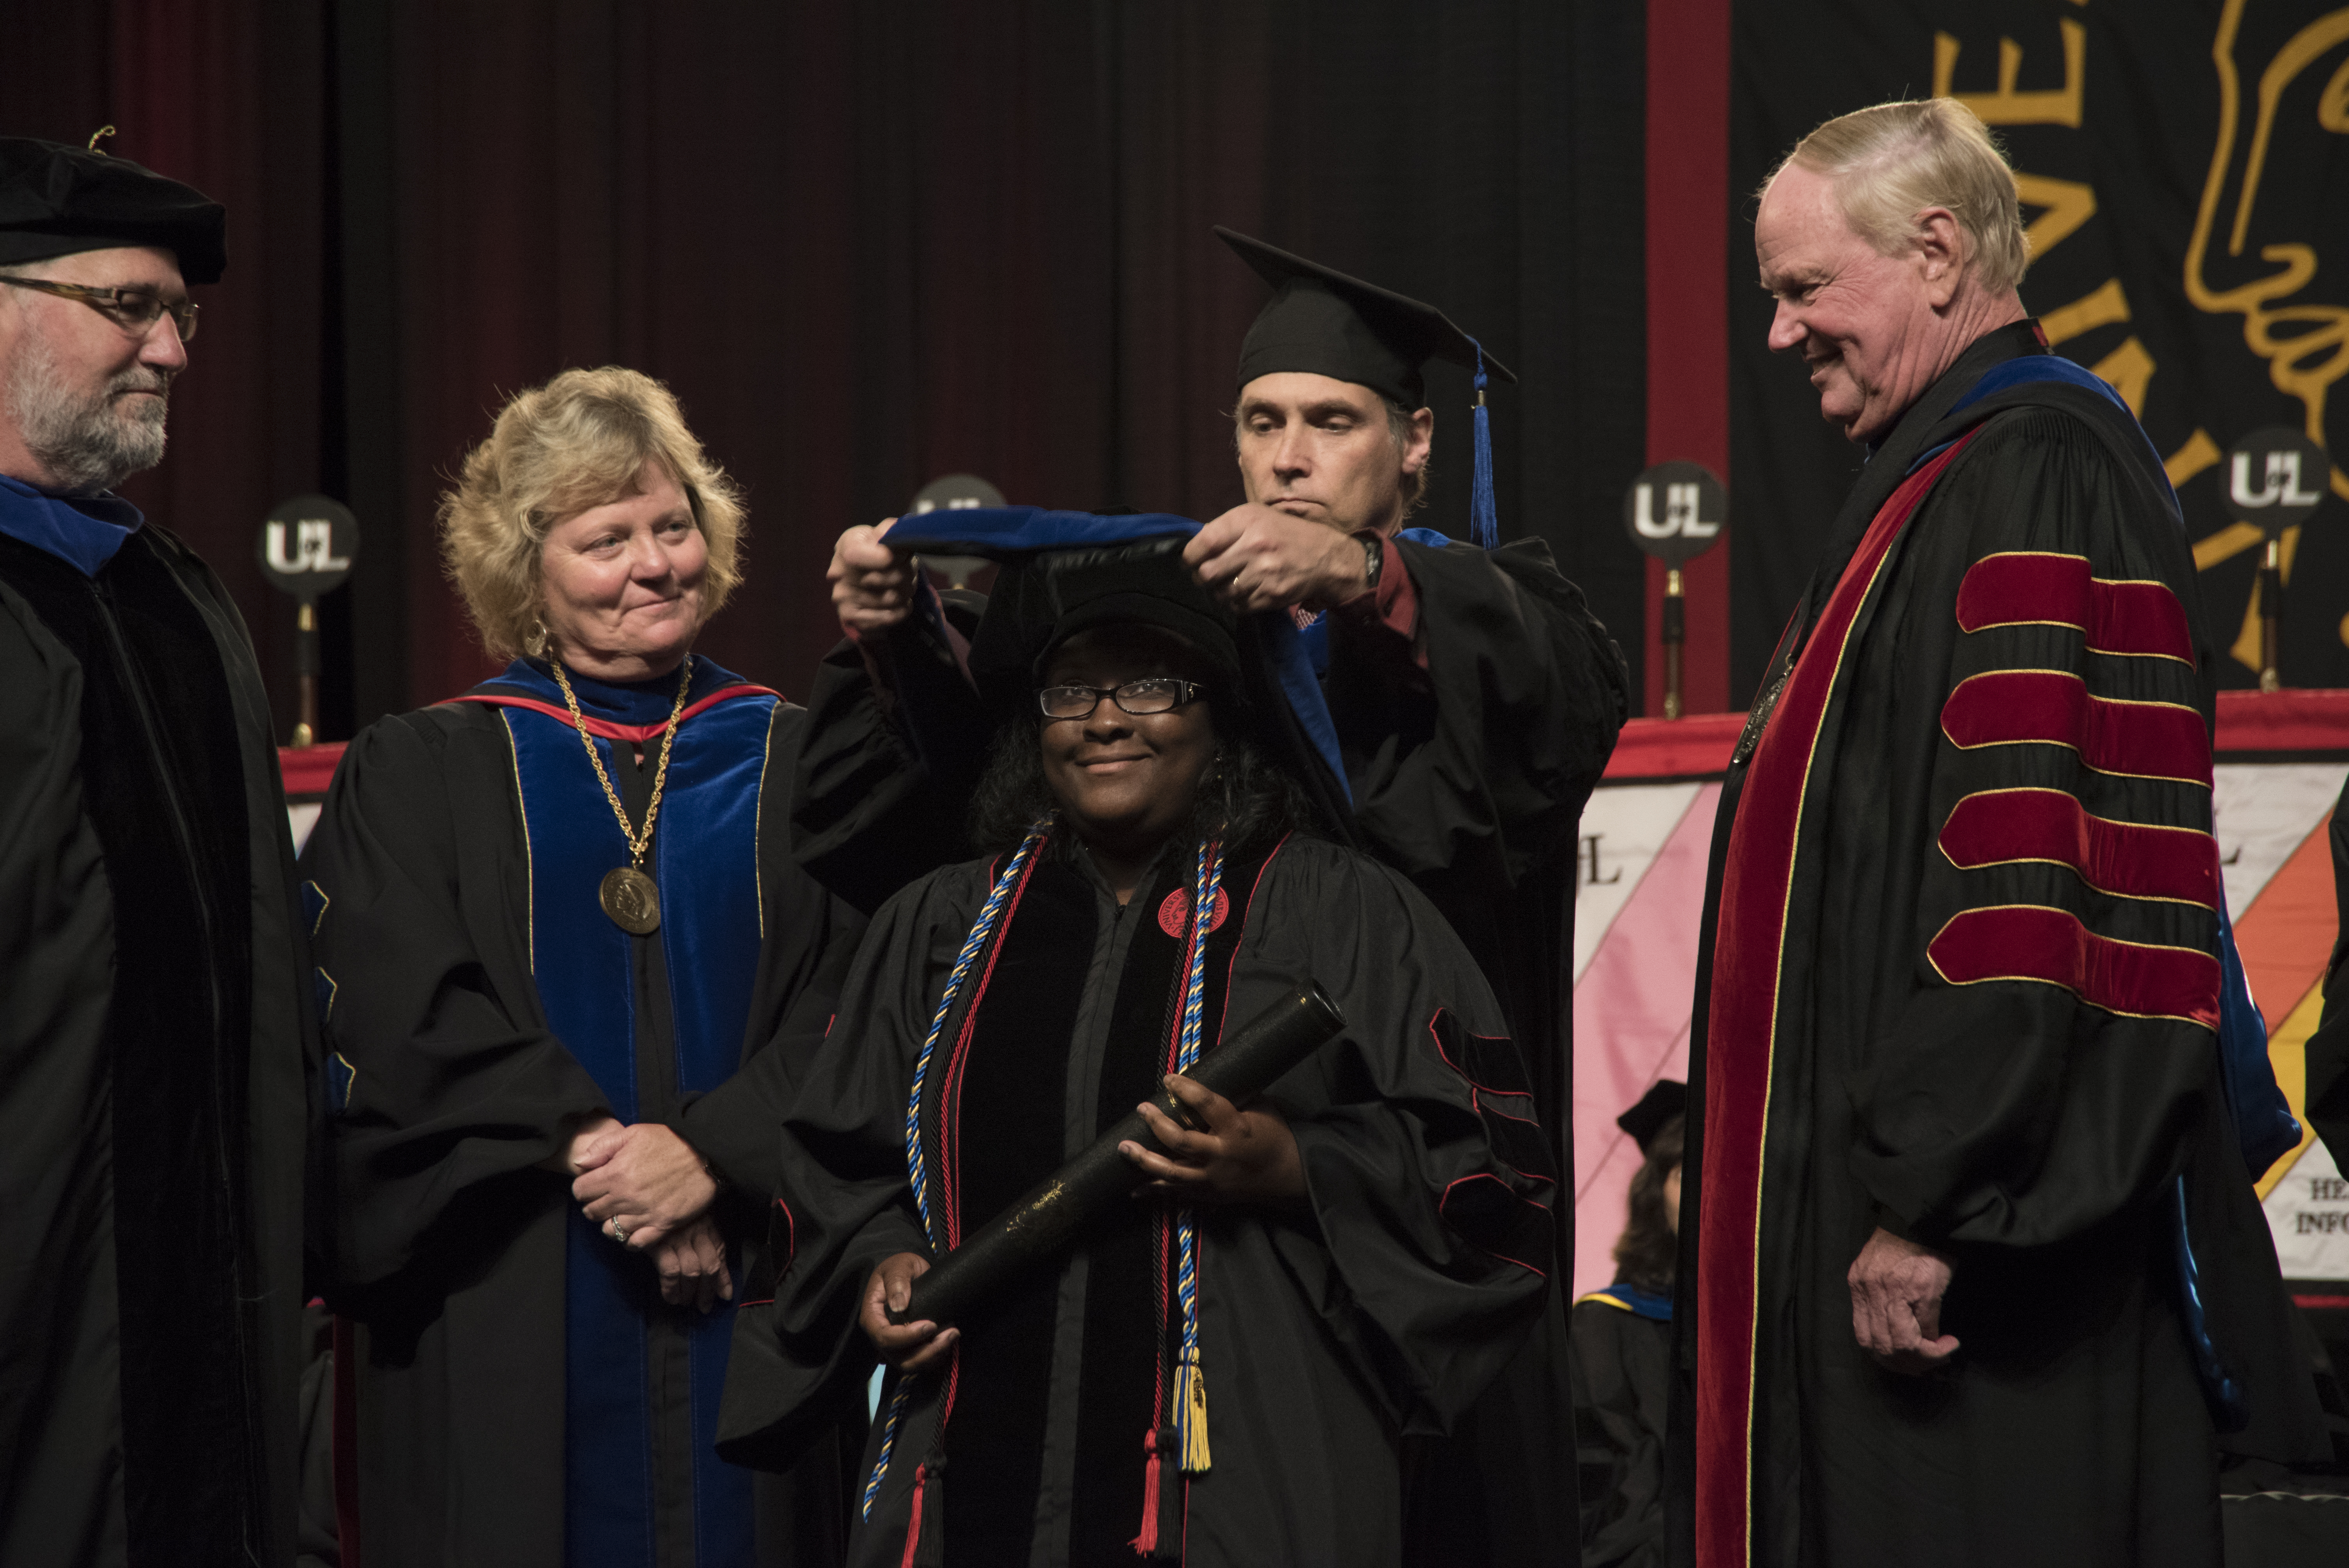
634, 733
2032, 588
1741, 1040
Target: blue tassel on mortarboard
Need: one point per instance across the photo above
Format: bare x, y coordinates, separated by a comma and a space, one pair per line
1484, 515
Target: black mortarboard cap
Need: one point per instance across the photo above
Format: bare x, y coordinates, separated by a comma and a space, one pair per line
57, 201
1041, 601
1665, 1099
1064, 571
1323, 321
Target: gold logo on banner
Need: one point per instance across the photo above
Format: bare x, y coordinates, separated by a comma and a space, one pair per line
2312, 351
2064, 205
2304, 343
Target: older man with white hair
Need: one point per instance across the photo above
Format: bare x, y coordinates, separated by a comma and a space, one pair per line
1972, 1272
153, 1098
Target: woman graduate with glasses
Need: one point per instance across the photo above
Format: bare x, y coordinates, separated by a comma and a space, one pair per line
565, 964
1221, 1370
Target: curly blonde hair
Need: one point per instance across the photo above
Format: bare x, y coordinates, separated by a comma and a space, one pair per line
577, 442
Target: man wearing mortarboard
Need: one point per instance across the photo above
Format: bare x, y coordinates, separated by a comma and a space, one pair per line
1475, 699
152, 1048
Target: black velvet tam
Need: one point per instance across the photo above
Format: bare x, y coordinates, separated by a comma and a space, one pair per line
58, 201
1328, 324
1665, 1099
1043, 600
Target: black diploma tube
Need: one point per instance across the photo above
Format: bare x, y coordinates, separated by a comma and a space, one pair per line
1041, 1224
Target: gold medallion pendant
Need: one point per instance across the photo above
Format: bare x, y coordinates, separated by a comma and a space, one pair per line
630, 897
632, 901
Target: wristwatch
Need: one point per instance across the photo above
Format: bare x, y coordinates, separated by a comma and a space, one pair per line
1374, 556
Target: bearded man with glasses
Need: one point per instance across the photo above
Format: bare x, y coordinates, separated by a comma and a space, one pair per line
153, 1098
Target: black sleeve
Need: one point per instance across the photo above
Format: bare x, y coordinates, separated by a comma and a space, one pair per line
1426, 1167
446, 1079
842, 1204
1475, 766
1619, 1374
884, 777
2060, 1046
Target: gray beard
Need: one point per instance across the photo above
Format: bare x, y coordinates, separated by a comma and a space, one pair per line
87, 443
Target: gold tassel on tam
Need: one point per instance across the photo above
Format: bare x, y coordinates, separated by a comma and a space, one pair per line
1191, 1413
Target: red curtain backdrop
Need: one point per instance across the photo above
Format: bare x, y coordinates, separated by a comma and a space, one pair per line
867, 246
1687, 320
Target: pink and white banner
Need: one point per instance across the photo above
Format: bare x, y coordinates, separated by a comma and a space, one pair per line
1639, 897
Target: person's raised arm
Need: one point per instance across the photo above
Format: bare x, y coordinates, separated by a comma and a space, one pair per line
896, 734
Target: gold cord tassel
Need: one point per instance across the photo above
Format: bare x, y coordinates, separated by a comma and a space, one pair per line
1191, 1413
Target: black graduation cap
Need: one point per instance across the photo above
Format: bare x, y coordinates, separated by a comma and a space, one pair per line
58, 201
1041, 601
1064, 571
1323, 321
1665, 1099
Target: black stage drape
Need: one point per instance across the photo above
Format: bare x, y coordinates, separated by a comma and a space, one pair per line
2165, 259
866, 245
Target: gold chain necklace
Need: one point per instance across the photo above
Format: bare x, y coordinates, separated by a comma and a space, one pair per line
630, 897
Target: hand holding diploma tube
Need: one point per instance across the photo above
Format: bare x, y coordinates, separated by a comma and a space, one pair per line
1043, 1223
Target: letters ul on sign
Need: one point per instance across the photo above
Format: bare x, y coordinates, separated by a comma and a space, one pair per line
1676, 510
313, 547
1683, 504
306, 545
2283, 484
2274, 477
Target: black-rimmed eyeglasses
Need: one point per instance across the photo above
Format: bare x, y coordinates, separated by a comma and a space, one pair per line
135, 308
1160, 694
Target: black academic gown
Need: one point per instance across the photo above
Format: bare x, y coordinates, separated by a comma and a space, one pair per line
524, 1396
1378, 1308
1960, 981
153, 1103
1623, 1386
1468, 775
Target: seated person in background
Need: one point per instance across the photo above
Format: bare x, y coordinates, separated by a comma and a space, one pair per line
1366, 1245
1622, 1351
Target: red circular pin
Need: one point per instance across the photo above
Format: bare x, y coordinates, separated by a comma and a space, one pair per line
1174, 913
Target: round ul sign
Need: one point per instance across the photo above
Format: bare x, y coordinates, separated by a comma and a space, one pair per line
1675, 511
307, 545
2274, 477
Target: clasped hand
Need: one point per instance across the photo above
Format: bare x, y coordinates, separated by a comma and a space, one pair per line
1896, 1288
649, 1190
871, 584
1239, 1156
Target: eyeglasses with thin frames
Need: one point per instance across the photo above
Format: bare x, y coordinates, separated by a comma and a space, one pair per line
1157, 694
133, 307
